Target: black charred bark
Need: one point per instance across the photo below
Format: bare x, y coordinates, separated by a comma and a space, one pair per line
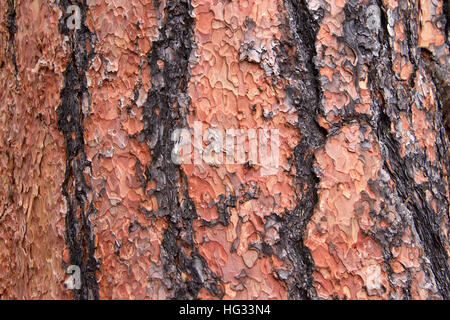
164, 111
304, 93
79, 234
12, 29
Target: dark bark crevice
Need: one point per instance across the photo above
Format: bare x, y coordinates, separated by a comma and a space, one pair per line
164, 111
446, 18
441, 79
11, 25
305, 94
391, 97
79, 235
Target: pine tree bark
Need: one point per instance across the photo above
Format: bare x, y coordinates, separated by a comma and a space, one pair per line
358, 207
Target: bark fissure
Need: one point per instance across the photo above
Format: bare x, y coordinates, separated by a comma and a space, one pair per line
447, 17
79, 235
164, 111
391, 97
11, 25
305, 94
426, 219
441, 80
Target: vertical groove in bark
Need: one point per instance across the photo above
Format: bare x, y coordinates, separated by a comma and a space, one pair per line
392, 97
74, 95
440, 76
12, 29
446, 15
426, 220
444, 88
167, 104
305, 94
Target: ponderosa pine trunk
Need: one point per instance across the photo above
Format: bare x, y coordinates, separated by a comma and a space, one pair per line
358, 207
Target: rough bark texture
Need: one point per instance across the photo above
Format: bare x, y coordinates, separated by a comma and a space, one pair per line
358, 207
